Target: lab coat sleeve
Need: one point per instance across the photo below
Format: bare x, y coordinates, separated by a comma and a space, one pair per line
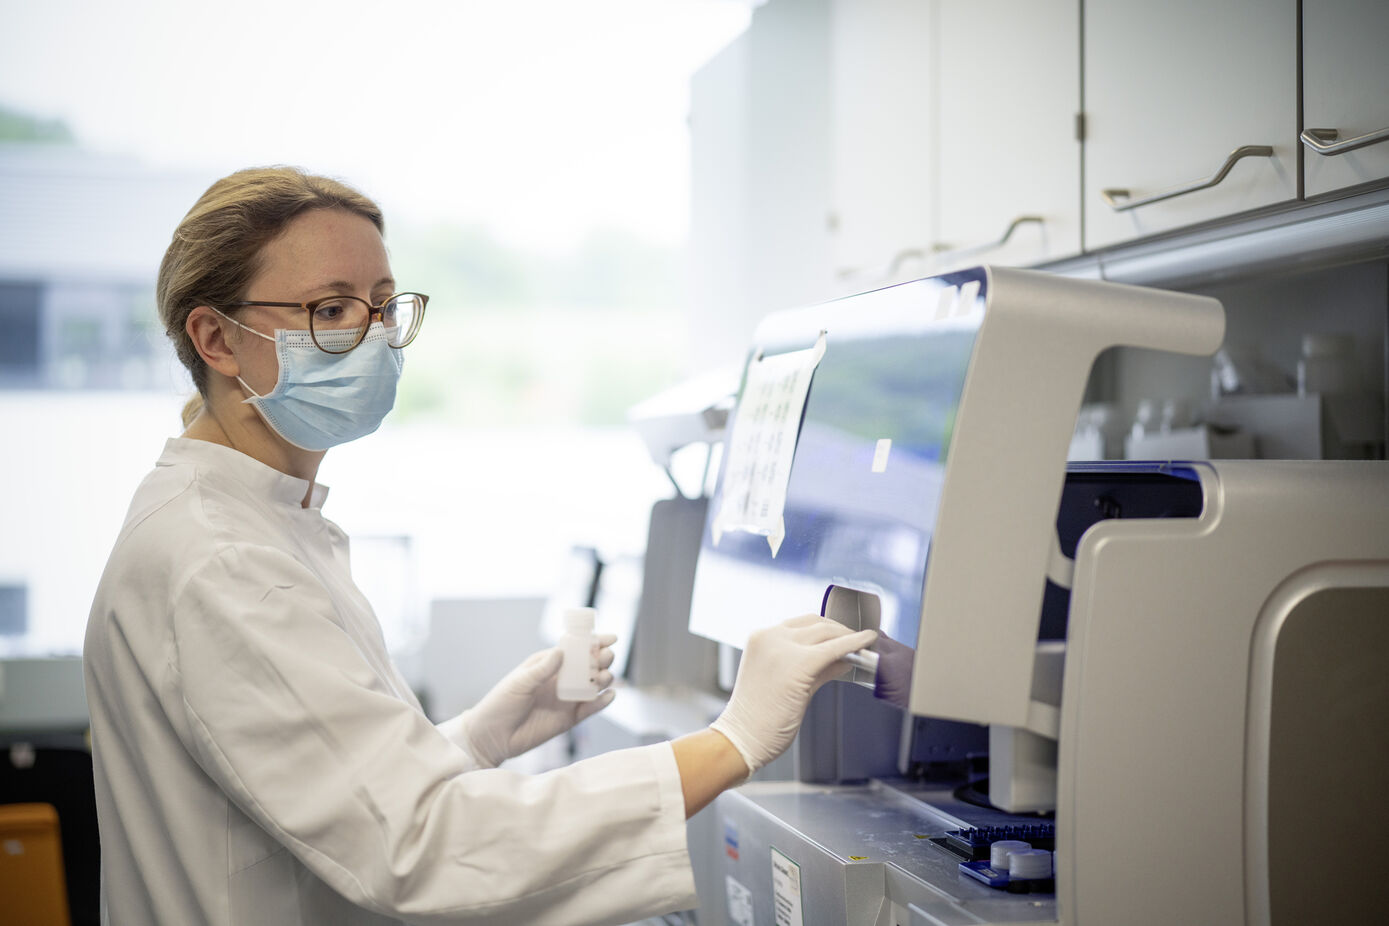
287, 715
452, 729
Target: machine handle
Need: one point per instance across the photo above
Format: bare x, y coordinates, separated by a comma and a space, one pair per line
867, 660
1118, 199
1324, 141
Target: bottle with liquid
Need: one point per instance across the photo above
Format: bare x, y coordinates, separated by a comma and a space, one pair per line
578, 674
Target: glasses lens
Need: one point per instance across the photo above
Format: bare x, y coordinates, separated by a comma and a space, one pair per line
401, 316
338, 323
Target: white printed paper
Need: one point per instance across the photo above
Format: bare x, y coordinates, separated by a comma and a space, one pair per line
739, 903
786, 891
762, 446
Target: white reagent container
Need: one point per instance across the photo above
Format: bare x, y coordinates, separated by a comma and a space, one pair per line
1001, 850
578, 674
1029, 864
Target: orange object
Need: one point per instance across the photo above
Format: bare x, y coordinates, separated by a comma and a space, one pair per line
31, 866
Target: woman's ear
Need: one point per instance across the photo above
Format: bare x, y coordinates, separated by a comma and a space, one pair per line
209, 336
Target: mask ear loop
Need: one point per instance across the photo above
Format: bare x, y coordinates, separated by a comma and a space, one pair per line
253, 393
238, 324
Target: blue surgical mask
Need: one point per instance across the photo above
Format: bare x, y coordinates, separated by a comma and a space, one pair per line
320, 399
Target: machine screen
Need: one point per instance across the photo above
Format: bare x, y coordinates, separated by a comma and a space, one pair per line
864, 483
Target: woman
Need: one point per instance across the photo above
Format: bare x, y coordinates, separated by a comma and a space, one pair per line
258, 757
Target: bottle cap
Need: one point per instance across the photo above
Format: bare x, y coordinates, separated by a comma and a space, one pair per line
1029, 863
999, 852
579, 620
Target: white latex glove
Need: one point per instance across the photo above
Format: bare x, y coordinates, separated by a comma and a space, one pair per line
522, 710
782, 667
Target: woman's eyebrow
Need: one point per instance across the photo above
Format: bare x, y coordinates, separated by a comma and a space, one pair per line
344, 286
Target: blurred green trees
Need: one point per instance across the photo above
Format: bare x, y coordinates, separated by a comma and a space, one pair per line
16, 126
517, 337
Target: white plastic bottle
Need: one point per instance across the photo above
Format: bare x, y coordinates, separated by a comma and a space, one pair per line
578, 674
1327, 366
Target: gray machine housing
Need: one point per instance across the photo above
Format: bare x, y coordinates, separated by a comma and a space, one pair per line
1223, 698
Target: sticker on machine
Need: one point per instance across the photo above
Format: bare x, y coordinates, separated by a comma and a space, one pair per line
762, 446
739, 903
786, 891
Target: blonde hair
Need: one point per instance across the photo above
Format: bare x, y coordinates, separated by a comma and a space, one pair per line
216, 249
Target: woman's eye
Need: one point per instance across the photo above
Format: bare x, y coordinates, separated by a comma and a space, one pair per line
329, 311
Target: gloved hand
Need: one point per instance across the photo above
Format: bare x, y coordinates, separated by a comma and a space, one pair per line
522, 710
782, 667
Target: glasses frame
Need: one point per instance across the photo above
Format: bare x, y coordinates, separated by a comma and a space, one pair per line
373, 311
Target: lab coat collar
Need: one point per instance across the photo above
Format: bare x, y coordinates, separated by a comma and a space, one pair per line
255, 474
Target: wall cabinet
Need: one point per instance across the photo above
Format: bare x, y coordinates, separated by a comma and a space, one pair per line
1345, 92
719, 247
1173, 91
1008, 180
882, 217
841, 145
954, 135
761, 130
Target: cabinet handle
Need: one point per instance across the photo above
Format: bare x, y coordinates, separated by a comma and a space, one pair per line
885, 271
937, 251
1119, 201
945, 252
1324, 141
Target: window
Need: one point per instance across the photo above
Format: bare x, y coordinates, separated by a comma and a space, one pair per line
14, 610
19, 345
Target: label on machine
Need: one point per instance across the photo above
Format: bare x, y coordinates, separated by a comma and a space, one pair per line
786, 891
739, 903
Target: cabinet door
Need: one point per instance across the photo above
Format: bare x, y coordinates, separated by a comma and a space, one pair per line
1009, 93
720, 248
760, 176
1345, 90
884, 162
1172, 91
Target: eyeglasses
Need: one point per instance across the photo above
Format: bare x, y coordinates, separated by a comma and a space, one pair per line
339, 323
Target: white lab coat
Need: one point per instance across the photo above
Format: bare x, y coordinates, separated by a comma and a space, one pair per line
259, 760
